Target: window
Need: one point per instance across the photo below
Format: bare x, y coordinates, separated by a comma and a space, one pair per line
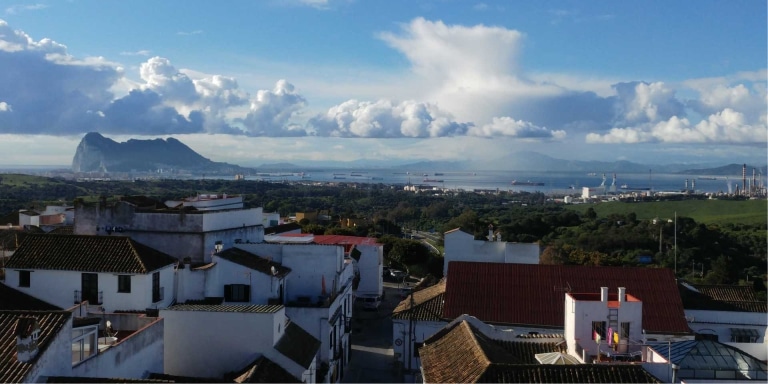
124, 283
83, 343
156, 296
237, 293
416, 346
624, 331
744, 335
598, 329
24, 277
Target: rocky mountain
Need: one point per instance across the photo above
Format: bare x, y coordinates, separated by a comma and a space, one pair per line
96, 153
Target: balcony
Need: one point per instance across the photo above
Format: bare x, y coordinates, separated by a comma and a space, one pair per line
98, 299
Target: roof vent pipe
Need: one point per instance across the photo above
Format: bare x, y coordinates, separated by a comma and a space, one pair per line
622, 294
603, 294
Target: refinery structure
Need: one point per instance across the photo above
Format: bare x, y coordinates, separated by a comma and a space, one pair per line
749, 187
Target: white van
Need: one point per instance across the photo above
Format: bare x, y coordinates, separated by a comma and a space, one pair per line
370, 301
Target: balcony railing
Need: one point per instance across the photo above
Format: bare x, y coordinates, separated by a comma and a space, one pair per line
98, 300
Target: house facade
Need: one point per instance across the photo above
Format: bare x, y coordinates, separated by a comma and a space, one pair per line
185, 232
114, 273
462, 246
318, 294
731, 315
243, 333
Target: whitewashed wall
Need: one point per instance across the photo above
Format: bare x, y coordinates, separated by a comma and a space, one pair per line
56, 360
579, 315
209, 344
461, 246
132, 357
58, 288
263, 286
370, 266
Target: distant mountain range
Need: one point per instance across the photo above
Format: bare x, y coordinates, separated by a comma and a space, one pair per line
96, 153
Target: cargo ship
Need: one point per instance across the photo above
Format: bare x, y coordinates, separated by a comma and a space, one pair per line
530, 183
428, 180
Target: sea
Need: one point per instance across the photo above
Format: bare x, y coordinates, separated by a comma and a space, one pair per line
546, 182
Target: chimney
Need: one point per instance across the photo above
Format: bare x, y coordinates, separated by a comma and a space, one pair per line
622, 294
490, 232
604, 294
27, 332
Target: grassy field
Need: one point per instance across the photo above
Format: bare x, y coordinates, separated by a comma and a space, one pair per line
19, 180
702, 211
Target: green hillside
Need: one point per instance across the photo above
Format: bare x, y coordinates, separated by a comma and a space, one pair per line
702, 211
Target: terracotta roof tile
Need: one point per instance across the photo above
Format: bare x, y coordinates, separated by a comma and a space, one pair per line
461, 353
264, 370
453, 356
50, 323
722, 298
109, 254
427, 304
63, 230
298, 345
584, 373
252, 261
495, 293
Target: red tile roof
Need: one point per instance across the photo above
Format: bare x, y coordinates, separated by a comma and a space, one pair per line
335, 239
534, 294
115, 254
427, 304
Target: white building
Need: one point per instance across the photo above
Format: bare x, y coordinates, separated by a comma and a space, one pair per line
53, 215
366, 255
236, 276
731, 315
462, 246
603, 323
113, 272
318, 294
45, 345
241, 335
183, 233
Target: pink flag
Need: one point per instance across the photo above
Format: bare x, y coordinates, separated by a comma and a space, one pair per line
610, 336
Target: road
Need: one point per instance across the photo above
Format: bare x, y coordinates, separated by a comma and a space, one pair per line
372, 357
431, 236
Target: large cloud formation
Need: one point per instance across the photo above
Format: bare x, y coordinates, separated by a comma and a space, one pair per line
386, 119
466, 81
44, 90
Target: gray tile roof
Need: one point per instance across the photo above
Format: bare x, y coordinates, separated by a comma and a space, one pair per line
226, 308
252, 261
298, 345
264, 370
82, 253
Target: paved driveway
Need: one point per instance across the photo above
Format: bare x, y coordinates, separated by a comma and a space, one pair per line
372, 357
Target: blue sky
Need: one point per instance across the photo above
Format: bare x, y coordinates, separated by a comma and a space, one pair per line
250, 82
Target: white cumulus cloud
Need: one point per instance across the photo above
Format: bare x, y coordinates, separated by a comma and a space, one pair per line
5, 107
509, 127
386, 119
727, 126
271, 112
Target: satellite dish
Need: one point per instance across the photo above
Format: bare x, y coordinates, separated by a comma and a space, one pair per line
273, 270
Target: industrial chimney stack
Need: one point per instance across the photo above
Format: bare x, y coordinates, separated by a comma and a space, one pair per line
744, 179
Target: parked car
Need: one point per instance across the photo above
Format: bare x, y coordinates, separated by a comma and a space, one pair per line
397, 274
371, 302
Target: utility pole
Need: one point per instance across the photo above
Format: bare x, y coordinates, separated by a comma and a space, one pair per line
675, 244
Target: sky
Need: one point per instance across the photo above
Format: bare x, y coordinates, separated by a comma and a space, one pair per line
396, 81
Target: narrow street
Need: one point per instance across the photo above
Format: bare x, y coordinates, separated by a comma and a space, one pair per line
372, 357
